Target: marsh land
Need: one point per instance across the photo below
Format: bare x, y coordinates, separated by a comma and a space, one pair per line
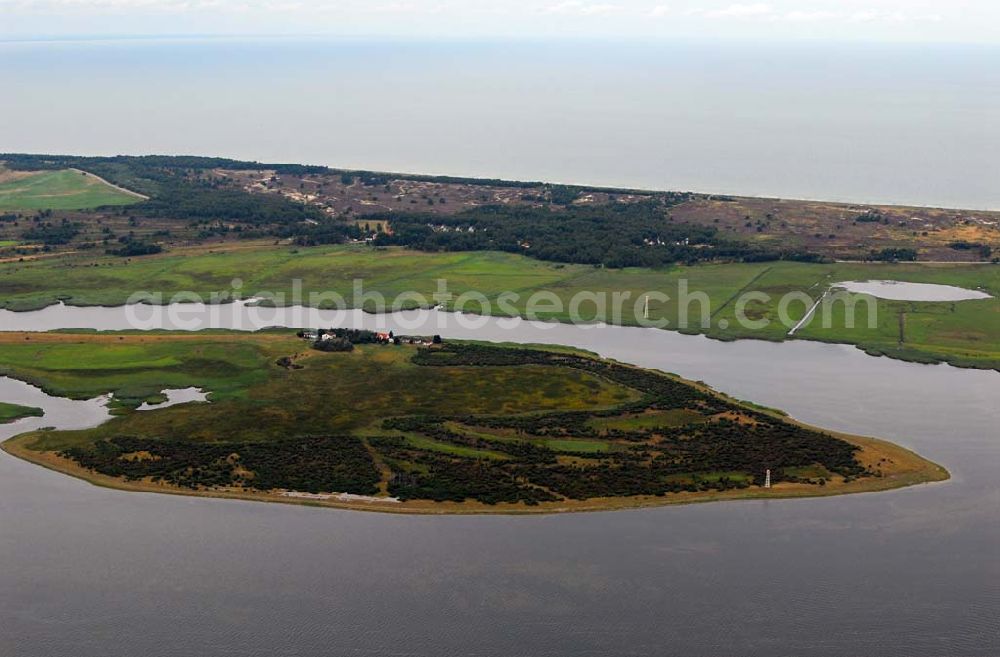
12, 412
961, 333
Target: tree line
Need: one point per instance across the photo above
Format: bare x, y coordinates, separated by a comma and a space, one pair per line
640, 234
312, 464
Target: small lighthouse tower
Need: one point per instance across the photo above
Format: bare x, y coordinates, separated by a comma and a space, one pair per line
767, 478
645, 308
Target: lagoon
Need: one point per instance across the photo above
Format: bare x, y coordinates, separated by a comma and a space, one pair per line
913, 572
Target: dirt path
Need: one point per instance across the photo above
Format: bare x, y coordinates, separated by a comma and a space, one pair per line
35, 256
112, 185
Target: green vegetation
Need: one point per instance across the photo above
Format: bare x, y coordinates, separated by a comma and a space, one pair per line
51, 233
199, 198
492, 249
60, 190
648, 420
179, 189
451, 422
11, 412
962, 333
130, 168
144, 173
254, 398
134, 369
133, 247
614, 235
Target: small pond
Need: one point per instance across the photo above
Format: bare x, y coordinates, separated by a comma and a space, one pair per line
903, 291
176, 396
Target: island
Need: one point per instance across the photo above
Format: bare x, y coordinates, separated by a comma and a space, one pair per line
413, 424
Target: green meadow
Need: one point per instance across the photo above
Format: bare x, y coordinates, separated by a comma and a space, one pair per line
11, 412
135, 370
253, 398
963, 333
60, 190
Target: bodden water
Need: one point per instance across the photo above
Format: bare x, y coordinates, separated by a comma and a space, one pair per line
86, 571
909, 573
902, 123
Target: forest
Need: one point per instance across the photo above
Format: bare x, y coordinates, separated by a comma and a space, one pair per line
177, 191
308, 463
181, 187
613, 235
118, 168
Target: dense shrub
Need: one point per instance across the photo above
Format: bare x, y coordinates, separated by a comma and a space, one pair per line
614, 235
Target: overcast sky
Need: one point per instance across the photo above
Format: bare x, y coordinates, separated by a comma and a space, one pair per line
973, 21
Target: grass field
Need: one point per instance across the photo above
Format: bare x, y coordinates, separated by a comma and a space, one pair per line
254, 399
134, 369
58, 190
673, 418
11, 412
263, 418
966, 333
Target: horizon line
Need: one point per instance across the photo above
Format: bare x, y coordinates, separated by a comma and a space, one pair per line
485, 38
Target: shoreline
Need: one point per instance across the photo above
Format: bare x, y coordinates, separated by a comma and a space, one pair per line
487, 178
920, 471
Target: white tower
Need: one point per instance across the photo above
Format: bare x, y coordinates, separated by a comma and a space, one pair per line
767, 478
645, 308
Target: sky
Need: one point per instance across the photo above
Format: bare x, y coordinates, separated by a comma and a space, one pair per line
951, 21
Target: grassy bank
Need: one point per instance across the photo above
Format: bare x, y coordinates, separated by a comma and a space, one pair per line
963, 333
460, 428
11, 412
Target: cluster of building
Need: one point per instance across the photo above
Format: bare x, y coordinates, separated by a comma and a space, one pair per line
379, 337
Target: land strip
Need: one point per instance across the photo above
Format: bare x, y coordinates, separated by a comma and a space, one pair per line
961, 333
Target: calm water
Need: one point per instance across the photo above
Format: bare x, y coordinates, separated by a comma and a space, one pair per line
175, 396
87, 571
907, 124
903, 291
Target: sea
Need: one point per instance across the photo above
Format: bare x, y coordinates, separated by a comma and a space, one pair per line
864, 123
